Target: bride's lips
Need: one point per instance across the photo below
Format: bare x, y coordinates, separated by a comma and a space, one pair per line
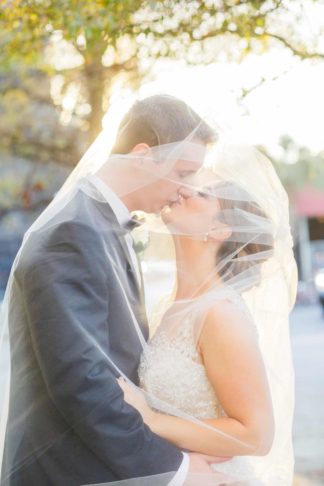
172, 204
176, 202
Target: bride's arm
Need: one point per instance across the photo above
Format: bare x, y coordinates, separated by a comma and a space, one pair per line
234, 366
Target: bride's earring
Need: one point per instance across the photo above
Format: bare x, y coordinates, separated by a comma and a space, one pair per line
206, 236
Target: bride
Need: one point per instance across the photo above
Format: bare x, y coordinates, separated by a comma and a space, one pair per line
207, 375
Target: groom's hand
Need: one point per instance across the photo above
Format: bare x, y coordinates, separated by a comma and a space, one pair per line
200, 469
202, 462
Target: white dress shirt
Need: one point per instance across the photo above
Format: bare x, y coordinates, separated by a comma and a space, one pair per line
123, 215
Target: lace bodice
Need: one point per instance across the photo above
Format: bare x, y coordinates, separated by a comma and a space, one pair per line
170, 370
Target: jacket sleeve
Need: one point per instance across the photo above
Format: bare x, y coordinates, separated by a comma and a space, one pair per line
66, 292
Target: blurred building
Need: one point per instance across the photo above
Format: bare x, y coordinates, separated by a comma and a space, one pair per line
17, 214
308, 207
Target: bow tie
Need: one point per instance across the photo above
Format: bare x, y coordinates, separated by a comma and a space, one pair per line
131, 224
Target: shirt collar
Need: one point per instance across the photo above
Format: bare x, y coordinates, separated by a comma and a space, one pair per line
118, 207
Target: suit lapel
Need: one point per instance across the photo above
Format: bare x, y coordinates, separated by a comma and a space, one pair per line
119, 234
139, 287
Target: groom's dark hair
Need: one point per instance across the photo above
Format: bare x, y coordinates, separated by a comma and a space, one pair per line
158, 120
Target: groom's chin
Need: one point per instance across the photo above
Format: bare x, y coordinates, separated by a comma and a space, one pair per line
165, 213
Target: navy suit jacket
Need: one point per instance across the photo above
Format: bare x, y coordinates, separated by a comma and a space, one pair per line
68, 423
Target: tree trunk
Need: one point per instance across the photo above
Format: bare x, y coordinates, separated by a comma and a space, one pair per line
98, 80
95, 85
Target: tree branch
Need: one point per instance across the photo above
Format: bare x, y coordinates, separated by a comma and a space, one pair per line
303, 54
248, 91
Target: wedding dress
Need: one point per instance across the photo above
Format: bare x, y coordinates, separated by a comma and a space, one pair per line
171, 370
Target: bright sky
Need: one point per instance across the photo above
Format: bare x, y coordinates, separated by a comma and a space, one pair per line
292, 104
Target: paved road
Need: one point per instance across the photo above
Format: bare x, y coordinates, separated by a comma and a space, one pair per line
307, 326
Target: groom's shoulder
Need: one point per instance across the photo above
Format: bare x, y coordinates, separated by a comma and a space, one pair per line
77, 218
58, 239
77, 226
60, 234
58, 249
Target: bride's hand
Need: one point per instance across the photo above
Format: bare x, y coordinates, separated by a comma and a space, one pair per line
135, 398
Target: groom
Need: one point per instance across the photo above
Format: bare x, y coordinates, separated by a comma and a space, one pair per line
68, 423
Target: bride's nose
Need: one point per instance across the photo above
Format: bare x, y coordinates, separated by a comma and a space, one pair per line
186, 192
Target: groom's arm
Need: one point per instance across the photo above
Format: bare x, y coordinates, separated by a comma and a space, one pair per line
67, 299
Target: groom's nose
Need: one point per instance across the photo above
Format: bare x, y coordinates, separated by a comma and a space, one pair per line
186, 192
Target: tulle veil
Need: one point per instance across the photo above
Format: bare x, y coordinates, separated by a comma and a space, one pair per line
261, 282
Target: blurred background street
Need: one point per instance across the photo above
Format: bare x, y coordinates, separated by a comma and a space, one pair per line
307, 328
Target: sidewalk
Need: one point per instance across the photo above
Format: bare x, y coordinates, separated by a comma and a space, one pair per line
307, 329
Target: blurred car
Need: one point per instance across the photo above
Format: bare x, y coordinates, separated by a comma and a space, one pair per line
306, 293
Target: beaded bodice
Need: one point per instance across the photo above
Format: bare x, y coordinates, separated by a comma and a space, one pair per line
171, 370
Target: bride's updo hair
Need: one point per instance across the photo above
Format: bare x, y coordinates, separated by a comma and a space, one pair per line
251, 242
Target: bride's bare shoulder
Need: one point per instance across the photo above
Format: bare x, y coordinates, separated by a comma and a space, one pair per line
227, 318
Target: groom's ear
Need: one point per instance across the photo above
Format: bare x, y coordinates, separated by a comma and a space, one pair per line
140, 147
138, 150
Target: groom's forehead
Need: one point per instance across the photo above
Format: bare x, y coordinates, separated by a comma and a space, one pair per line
184, 152
194, 151
191, 155
188, 165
